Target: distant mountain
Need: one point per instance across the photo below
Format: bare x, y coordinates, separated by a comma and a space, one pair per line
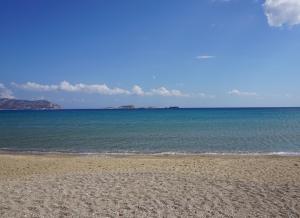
15, 104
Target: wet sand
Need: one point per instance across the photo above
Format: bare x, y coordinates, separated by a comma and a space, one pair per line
149, 186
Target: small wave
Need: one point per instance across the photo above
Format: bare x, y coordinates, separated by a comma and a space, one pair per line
141, 153
230, 153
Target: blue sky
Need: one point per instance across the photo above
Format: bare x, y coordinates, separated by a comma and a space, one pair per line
196, 53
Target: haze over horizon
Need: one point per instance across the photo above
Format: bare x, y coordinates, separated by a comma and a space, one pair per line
96, 54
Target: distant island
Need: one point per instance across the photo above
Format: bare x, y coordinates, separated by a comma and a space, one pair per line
127, 107
16, 104
173, 107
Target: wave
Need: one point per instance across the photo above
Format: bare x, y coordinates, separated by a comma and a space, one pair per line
139, 153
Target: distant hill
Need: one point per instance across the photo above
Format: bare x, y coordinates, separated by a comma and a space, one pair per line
15, 104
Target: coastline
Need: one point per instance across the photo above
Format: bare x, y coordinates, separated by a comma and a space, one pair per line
149, 186
4, 151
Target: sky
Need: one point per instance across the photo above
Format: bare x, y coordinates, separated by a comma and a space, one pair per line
195, 53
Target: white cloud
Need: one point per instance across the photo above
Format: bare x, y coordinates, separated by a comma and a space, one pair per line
96, 88
282, 12
5, 92
68, 87
236, 92
200, 57
137, 90
36, 87
102, 89
162, 91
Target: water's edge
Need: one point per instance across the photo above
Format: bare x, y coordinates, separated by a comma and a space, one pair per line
18, 152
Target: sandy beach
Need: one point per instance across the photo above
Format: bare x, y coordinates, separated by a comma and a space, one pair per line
149, 186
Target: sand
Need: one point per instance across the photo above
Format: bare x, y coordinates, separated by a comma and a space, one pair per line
149, 186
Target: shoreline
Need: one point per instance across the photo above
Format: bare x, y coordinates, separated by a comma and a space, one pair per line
158, 154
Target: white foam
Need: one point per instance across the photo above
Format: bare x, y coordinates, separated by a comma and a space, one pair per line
168, 153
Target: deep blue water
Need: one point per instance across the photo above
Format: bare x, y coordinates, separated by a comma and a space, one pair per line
253, 130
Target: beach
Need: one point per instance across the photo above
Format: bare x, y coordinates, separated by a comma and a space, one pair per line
63, 185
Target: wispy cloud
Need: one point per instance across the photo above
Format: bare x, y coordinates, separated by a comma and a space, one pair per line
95, 88
68, 87
5, 92
162, 91
101, 89
35, 86
282, 12
200, 57
236, 92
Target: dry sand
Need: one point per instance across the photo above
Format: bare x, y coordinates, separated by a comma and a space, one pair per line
149, 186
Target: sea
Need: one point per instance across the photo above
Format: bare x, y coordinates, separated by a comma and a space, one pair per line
153, 131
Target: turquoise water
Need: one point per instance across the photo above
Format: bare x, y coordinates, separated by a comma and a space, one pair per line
256, 130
